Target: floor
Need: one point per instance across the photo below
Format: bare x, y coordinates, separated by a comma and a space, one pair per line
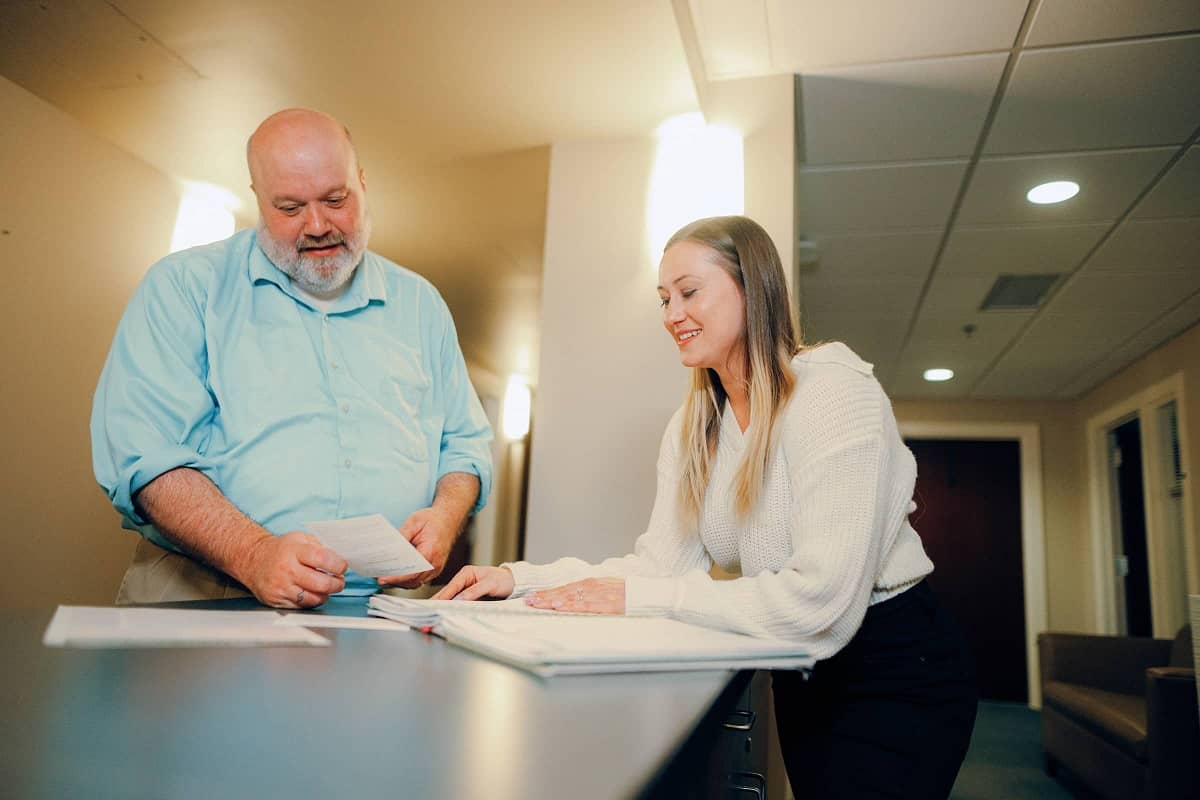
1005, 759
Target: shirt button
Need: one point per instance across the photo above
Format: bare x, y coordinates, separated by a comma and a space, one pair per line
345, 408
346, 463
325, 318
333, 364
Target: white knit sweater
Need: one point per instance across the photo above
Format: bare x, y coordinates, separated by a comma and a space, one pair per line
830, 534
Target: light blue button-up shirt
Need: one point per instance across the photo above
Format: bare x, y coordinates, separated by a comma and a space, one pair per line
297, 415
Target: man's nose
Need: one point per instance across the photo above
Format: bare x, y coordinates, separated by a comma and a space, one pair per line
315, 223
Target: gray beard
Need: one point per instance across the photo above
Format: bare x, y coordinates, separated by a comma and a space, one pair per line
317, 275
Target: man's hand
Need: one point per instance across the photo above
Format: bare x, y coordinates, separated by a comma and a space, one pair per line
472, 583
432, 531
292, 571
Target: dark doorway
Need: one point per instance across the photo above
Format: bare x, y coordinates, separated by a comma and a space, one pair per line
969, 518
1125, 448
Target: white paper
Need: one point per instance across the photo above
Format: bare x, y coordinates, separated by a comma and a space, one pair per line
419, 612
334, 621
370, 545
605, 643
91, 626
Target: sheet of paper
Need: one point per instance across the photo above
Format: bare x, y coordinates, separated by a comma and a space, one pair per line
91, 626
333, 621
370, 545
421, 612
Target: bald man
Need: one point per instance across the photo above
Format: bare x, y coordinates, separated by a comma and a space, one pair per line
282, 376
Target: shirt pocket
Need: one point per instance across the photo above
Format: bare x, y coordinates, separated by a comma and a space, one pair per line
405, 395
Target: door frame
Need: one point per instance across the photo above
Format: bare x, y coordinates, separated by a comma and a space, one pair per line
1142, 405
1033, 540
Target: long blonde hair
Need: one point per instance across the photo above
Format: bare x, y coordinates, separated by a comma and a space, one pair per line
746, 252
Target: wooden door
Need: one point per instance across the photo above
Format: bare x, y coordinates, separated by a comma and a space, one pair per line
969, 518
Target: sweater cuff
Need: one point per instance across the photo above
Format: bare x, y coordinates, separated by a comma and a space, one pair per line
652, 596
523, 580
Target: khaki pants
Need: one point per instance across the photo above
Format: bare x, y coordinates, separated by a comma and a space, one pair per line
156, 575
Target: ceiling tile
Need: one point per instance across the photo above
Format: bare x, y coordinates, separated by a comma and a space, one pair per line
875, 337
907, 379
898, 111
1122, 94
733, 37
1089, 291
1176, 195
1150, 245
1065, 336
1182, 317
870, 296
862, 199
892, 256
1065, 21
806, 34
1109, 181
1021, 382
1169, 325
1026, 249
945, 334
957, 296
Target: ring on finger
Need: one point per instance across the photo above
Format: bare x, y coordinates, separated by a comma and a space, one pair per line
300, 597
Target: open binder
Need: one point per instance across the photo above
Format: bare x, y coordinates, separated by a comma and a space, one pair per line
554, 643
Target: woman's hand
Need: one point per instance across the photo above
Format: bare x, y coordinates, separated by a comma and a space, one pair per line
472, 583
591, 596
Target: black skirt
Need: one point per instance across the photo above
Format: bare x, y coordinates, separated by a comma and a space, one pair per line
890, 715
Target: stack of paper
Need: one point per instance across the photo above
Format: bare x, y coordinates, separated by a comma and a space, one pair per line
553, 643
427, 613
89, 626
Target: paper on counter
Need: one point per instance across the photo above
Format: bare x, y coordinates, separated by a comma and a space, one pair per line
334, 621
370, 545
91, 626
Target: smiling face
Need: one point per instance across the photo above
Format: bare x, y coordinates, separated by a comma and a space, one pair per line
704, 309
313, 221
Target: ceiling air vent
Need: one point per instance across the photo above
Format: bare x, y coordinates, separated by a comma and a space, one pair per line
1018, 292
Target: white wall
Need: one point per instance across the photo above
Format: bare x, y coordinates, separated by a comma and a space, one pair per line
609, 377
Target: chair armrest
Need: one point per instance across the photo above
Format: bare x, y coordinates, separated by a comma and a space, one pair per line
1172, 732
1112, 663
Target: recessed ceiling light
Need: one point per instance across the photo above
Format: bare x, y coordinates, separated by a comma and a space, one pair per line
938, 375
1052, 192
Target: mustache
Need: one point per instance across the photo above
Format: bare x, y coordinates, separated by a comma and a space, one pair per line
317, 242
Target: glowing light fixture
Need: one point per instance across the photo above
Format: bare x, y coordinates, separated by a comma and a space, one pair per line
938, 375
205, 215
1052, 192
698, 172
515, 417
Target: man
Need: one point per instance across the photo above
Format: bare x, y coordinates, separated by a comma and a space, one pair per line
282, 376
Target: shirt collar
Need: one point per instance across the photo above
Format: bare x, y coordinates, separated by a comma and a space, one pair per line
366, 284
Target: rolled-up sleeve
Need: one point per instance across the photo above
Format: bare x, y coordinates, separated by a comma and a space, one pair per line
466, 444
152, 410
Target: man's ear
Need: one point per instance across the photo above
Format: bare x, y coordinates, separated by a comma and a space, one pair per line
362, 178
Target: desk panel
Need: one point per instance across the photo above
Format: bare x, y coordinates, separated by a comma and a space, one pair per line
391, 714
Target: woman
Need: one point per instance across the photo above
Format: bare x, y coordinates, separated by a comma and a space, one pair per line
785, 462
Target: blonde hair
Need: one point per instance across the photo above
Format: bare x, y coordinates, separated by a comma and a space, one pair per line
746, 252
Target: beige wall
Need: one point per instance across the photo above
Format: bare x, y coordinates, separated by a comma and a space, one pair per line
1181, 354
82, 221
1070, 572
1068, 577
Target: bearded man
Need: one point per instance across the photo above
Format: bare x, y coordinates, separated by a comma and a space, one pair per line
282, 376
